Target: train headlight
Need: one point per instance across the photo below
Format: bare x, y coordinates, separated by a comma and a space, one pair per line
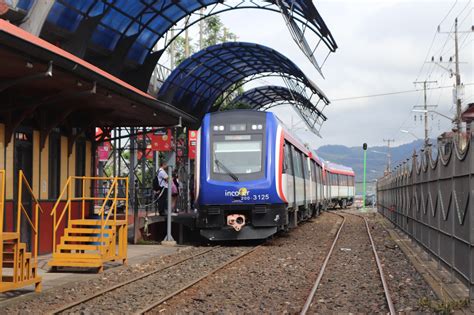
221, 128
216, 128
254, 127
259, 127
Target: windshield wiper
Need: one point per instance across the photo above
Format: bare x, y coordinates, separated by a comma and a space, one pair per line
227, 170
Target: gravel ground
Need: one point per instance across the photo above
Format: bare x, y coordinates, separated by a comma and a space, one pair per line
135, 296
276, 278
351, 282
406, 285
57, 297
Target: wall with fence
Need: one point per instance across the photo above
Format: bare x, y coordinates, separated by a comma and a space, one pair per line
430, 197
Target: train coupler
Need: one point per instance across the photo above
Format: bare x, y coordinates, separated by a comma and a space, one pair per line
236, 221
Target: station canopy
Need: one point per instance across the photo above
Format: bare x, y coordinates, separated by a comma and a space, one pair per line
121, 35
266, 97
200, 80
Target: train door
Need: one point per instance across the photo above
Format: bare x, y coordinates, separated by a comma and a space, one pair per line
23, 160
314, 186
304, 163
290, 177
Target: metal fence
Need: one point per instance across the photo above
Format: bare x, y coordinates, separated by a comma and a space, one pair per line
429, 198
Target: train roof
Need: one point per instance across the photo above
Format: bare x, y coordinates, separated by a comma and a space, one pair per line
339, 169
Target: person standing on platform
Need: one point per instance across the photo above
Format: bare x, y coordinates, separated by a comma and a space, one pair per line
163, 191
175, 192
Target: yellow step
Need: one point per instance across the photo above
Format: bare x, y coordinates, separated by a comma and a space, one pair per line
7, 255
75, 263
8, 236
9, 263
72, 256
85, 239
78, 247
86, 231
90, 222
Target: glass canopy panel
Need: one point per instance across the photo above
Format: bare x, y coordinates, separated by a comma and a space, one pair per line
123, 18
197, 82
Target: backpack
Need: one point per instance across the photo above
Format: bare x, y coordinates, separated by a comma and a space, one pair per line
156, 184
174, 189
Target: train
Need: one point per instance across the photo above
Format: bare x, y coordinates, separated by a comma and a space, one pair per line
254, 177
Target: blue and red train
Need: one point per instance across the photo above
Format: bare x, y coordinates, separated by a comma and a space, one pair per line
254, 177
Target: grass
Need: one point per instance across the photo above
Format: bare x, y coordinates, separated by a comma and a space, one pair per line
442, 307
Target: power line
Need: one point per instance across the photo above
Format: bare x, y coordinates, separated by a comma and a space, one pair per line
393, 93
433, 40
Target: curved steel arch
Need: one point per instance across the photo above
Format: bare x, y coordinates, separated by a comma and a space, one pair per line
141, 24
266, 97
200, 80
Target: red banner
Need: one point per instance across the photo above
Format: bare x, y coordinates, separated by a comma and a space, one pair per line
192, 143
161, 140
103, 152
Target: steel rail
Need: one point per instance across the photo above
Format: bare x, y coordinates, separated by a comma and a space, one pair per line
388, 298
323, 268
190, 284
310, 297
122, 284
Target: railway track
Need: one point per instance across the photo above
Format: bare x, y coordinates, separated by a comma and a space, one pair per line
155, 273
150, 307
311, 297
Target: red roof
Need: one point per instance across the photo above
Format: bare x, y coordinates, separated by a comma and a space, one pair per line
13, 30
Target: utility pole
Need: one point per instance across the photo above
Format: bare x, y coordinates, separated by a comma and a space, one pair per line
425, 107
389, 156
458, 77
456, 73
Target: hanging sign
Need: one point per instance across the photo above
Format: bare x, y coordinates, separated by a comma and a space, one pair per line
192, 143
161, 140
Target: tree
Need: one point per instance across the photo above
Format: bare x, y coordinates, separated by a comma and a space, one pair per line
214, 32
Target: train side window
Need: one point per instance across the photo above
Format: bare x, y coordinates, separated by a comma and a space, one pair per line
297, 162
287, 164
300, 161
313, 171
305, 166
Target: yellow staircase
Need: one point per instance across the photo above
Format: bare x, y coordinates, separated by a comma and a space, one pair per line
89, 243
19, 267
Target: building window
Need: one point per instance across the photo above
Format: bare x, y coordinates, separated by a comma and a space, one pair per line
54, 176
80, 164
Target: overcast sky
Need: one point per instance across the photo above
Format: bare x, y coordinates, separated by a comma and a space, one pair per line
382, 46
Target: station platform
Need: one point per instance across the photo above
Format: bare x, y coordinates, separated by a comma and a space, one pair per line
137, 254
153, 226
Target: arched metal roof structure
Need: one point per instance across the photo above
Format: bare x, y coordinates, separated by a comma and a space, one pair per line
121, 34
197, 83
266, 97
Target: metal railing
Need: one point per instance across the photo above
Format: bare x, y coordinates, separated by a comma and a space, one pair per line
21, 270
431, 200
109, 203
2, 211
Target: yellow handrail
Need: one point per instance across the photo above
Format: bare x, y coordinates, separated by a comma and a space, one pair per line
112, 195
66, 208
2, 204
23, 182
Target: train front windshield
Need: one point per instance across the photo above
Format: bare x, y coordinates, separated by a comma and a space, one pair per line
237, 156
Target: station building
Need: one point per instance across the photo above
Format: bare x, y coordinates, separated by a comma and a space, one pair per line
50, 103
